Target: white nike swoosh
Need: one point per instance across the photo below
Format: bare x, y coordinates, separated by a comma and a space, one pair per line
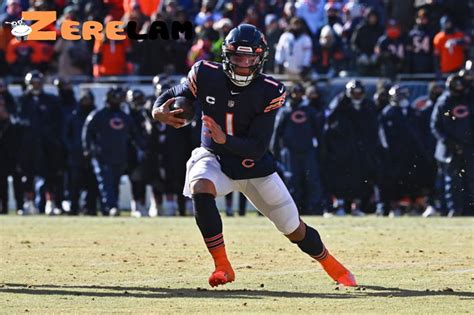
234, 93
281, 89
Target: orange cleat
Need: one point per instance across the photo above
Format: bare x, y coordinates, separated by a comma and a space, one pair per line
222, 275
347, 280
338, 272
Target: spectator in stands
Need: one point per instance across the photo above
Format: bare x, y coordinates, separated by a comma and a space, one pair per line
156, 56
379, 6
363, 42
299, 121
12, 14
294, 50
350, 157
390, 50
207, 13
289, 12
420, 45
114, 8
404, 160
401, 11
81, 176
8, 151
449, 45
74, 56
451, 123
111, 56
457, 9
332, 11
208, 28
312, 12
328, 53
23, 56
252, 17
169, 10
105, 139
147, 7
272, 35
223, 26
179, 48
201, 50
353, 15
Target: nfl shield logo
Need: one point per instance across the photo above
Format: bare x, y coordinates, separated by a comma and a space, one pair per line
231, 103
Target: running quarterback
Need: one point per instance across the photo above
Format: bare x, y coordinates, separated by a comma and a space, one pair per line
239, 105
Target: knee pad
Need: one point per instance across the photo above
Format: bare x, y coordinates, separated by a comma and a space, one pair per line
311, 244
207, 215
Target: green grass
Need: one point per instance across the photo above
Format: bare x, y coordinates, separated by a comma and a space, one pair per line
160, 265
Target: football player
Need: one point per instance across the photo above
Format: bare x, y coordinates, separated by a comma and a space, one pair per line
239, 107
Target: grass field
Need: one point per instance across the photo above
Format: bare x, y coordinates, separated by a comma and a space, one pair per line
160, 265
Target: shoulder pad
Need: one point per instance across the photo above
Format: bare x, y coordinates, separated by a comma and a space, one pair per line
192, 77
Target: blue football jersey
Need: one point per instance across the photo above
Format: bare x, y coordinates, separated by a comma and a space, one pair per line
245, 114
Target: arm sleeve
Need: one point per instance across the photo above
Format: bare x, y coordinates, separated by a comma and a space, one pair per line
355, 41
280, 50
437, 45
436, 123
88, 133
276, 139
307, 52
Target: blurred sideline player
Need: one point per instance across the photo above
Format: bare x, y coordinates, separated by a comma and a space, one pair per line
239, 108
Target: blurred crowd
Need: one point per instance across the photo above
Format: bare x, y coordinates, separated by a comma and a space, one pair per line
307, 38
358, 153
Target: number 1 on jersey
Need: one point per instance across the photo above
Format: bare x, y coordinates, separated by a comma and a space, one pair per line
229, 124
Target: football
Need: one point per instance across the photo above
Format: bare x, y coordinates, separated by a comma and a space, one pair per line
186, 105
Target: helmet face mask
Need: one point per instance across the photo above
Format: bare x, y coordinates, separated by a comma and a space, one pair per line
244, 52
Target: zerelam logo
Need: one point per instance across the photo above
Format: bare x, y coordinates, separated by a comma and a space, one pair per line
20, 30
113, 30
